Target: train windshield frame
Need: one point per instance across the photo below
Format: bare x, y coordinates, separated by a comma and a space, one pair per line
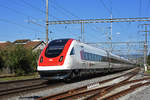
55, 48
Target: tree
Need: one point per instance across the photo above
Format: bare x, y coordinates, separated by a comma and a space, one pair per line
148, 60
19, 60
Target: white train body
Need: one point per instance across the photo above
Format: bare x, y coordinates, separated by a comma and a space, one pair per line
75, 59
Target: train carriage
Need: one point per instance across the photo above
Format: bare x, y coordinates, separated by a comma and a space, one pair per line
67, 58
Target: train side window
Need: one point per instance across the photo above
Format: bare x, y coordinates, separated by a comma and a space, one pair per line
72, 51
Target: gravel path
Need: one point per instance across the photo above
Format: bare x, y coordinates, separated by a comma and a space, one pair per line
140, 94
33, 96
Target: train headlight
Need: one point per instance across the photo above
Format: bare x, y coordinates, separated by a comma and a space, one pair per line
41, 59
61, 58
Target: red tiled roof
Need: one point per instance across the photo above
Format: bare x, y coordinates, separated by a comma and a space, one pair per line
28, 45
32, 44
22, 41
5, 45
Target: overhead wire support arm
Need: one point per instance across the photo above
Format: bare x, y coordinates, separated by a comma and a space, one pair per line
33, 22
138, 19
133, 42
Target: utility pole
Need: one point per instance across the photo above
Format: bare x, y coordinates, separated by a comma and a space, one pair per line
111, 27
111, 34
145, 44
82, 32
47, 22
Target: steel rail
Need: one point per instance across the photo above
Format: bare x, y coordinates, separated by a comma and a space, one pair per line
115, 86
19, 86
84, 90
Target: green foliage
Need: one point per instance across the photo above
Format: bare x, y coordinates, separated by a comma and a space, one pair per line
148, 71
1, 62
19, 60
148, 60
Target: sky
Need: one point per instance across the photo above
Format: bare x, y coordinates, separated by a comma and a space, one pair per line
16, 17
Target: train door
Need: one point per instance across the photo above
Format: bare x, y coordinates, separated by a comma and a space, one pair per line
72, 56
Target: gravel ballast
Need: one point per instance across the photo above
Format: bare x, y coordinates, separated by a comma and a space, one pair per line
33, 96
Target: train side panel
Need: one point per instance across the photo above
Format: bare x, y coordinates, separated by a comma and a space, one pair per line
77, 58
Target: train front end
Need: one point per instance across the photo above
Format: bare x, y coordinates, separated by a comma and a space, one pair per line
51, 64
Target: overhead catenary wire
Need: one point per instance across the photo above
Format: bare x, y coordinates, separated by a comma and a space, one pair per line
23, 2
19, 25
104, 5
58, 6
140, 7
148, 6
60, 11
20, 13
42, 11
69, 13
38, 9
65, 10
110, 12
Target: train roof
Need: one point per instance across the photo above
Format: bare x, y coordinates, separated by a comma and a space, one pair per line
93, 49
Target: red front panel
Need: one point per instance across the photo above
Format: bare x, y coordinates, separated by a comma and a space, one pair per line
54, 61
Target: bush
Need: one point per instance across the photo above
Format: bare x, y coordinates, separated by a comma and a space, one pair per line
3, 55
19, 60
148, 60
1, 62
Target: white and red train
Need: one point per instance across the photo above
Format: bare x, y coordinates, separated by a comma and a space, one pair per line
67, 58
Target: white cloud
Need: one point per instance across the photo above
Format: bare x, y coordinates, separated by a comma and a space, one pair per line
118, 33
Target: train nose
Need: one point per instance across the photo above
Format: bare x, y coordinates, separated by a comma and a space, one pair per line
44, 61
55, 53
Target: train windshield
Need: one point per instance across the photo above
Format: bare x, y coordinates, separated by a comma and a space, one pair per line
55, 48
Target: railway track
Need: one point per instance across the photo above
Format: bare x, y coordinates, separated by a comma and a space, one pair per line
13, 76
13, 88
109, 89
